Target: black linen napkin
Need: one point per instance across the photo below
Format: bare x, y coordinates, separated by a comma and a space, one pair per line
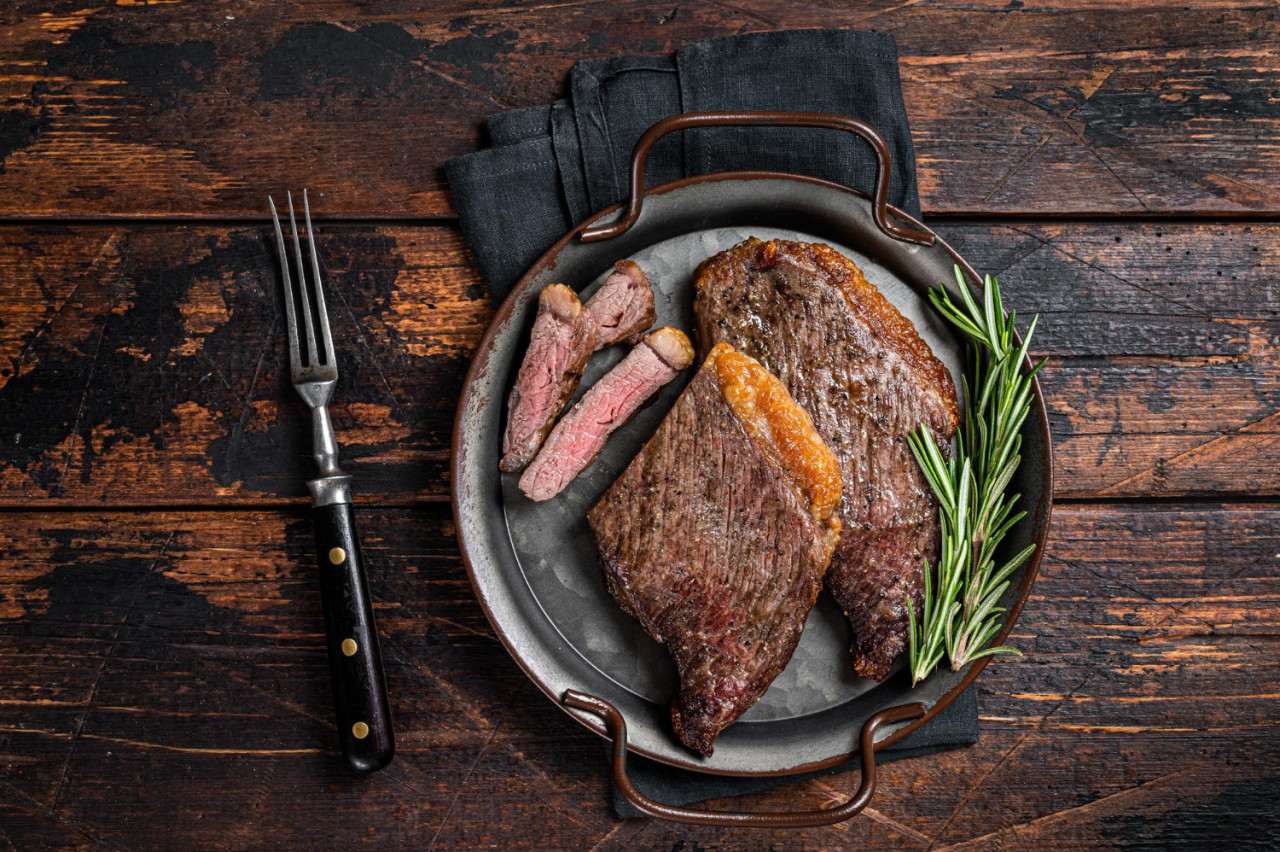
550, 167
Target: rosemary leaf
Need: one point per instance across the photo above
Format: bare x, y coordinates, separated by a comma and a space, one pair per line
960, 614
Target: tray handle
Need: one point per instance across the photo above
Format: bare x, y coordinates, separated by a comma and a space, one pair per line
879, 196
617, 726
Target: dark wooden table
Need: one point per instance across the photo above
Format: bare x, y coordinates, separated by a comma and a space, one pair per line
162, 680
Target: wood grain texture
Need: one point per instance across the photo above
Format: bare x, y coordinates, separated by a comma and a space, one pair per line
170, 375
166, 685
145, 365
179, 108
163, 682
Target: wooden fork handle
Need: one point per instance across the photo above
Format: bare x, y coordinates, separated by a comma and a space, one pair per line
359, 687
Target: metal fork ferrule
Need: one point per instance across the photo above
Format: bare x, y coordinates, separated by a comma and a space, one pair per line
330, 490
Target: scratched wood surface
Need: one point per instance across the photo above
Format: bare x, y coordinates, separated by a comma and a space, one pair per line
162, 683
180, 109
1164, 376
165, 685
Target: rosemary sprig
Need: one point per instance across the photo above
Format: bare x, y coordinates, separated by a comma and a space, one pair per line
960, 612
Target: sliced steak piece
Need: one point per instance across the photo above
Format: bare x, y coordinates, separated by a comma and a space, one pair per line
717, 536
581, 434
562, 340
864, 375
623, 306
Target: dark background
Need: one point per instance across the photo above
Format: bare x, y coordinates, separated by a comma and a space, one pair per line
162, 679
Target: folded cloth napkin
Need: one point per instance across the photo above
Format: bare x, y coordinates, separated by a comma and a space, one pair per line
550, 167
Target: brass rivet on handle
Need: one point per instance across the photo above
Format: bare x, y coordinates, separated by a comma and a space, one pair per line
337, 555
360, 730
349, 647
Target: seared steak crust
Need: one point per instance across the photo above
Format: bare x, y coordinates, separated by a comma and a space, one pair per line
718, 549
865, 376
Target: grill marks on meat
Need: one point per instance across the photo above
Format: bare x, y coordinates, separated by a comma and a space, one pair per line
717, 536
561, 343
623, 306
865, 376
580, 435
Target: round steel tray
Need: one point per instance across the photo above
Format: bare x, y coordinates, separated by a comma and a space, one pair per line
533, 565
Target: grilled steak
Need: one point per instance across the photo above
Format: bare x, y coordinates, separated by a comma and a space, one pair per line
717, 536
623, 306
865, 376
563, 338
581, 434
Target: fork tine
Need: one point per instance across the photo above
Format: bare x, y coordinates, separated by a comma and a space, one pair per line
323, 318
313, 352
290, 315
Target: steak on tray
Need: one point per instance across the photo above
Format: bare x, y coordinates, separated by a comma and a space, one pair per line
623, 306
581, 434
865, 376
561, 343
717, 536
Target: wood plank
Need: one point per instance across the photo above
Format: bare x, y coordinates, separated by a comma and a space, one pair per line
1164, 376
163, 350
184, 109
165, 686
145, 365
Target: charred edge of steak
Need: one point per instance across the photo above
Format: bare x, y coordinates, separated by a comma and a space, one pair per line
581, 434
561, 343
623, 306
716, 541
780, 428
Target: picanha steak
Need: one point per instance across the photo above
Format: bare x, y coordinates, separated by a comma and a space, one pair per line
623, 306
561, 343
581, 434
717, 536
865, 376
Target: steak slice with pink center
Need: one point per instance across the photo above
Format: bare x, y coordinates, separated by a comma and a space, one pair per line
623, 306
580, 436
561, 343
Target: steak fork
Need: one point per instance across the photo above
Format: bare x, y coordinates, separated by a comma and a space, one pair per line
355, 665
